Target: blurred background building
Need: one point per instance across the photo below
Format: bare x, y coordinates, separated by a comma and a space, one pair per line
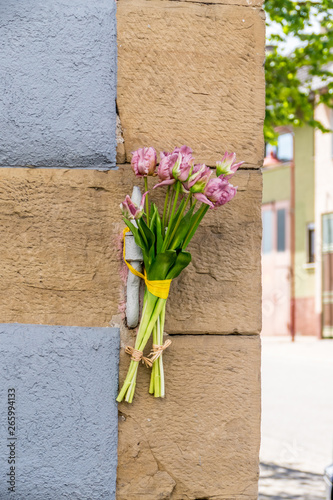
297, 247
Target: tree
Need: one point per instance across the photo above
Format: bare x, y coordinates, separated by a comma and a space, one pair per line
290, 94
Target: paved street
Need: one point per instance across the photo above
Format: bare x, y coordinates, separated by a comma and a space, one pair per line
297, 417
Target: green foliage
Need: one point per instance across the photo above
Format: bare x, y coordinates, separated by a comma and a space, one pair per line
290, 97
166, 264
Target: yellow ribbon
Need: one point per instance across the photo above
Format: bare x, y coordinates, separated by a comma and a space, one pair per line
159, 288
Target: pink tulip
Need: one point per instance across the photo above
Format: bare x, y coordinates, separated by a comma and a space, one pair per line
175, 166
181, 171
144, 162
184, 164
217, 192
164, 170
227, 167
130, 210
184, 150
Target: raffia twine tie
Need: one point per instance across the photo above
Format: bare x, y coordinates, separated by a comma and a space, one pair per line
157, 350
138, 356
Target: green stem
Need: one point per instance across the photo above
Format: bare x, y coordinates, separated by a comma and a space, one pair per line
151, 322
165, 209
162, 385
152, 377
157, 386
199, 216
171, 217
153, 309
147, 204
169, 206
152, 380
169, 240
131, 374
145, 328
157, 367
142, 233
131, 390
160, 359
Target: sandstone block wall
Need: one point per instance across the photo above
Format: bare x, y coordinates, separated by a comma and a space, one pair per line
191, 73
202, 440
60, 245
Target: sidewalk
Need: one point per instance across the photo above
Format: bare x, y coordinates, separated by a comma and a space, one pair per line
297, 417
278, 482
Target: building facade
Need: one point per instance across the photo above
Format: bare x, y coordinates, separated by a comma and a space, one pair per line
297, 215
324, 221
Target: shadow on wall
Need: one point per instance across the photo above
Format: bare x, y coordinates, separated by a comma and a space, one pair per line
278, 483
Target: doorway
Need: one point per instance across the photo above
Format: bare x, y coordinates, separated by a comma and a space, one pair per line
276, 268
327, 275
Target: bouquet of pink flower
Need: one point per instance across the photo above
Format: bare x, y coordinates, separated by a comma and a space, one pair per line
164, 238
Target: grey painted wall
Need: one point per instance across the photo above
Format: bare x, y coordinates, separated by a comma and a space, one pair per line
65, 381
58, 83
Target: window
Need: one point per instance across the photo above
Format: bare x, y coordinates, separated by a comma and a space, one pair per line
281, 230
275, 225
311, 243
267, 225
284, 151
328, 233
270, 149
285, 147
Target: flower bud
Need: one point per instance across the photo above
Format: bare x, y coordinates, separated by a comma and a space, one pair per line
197, 181
227, 167
130, 210
164, 170
183, 167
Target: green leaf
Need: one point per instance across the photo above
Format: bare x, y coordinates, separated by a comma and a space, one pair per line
196, 219
182, 261
159, 268
139, 241
158, 233
149, 237
156, 228
182, 230
180, 208
153, 220
137, 236
151, 211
